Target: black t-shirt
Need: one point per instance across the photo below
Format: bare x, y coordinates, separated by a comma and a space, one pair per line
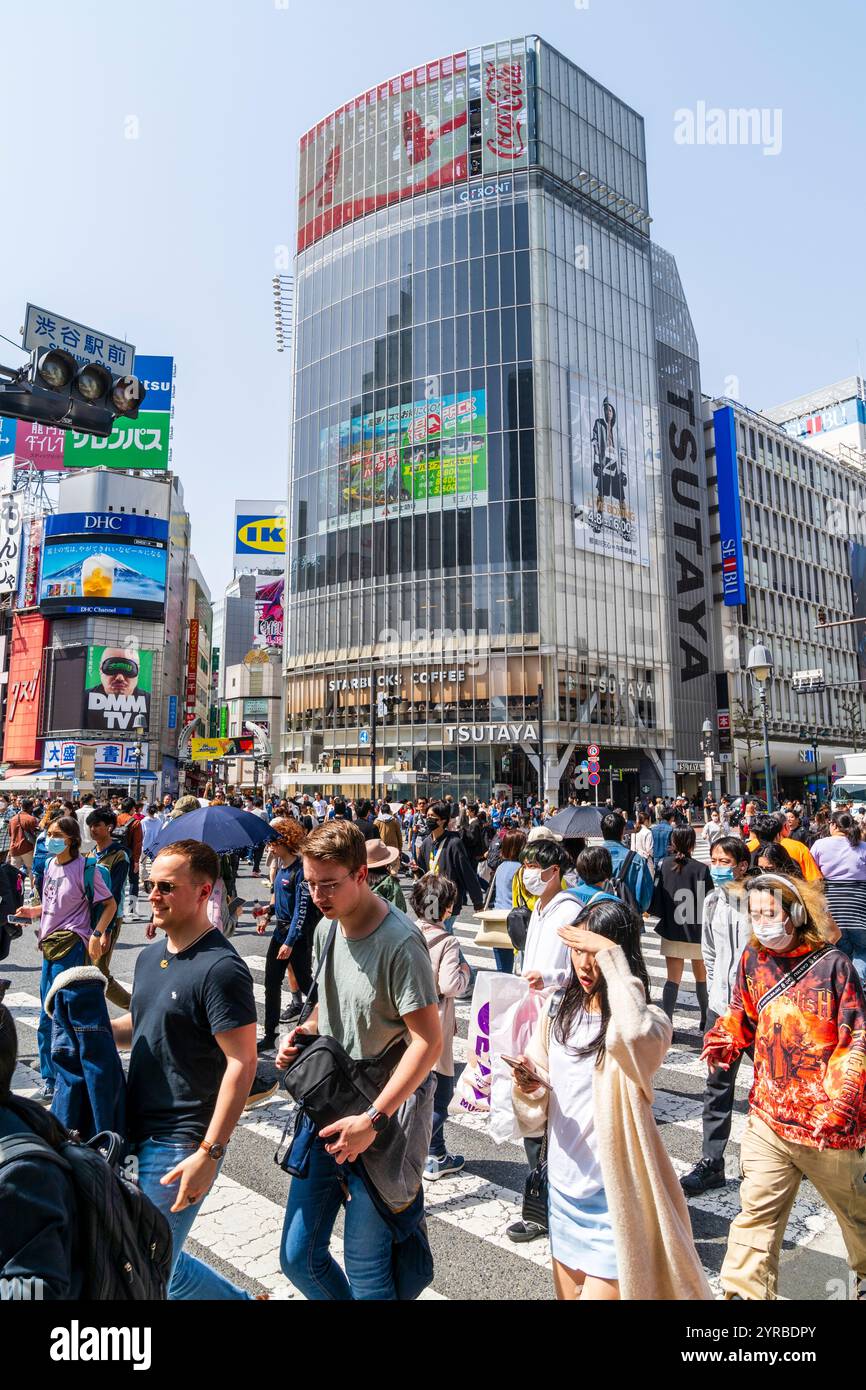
176, 1066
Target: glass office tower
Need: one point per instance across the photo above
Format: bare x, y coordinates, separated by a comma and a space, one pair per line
476, 531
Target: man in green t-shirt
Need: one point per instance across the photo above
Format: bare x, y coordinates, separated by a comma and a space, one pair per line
375, 986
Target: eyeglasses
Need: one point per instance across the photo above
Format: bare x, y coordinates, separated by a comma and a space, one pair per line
314, 888
161, 886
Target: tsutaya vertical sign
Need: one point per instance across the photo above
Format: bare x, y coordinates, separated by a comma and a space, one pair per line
192, 668
504, 109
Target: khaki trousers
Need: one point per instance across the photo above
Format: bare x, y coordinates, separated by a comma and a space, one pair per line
772, 1170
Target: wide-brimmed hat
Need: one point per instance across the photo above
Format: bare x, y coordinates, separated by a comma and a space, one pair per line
380, 855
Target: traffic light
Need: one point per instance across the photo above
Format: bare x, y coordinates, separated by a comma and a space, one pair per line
53, 389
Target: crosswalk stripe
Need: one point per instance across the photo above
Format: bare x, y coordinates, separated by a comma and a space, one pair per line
24, 1008
482, 1209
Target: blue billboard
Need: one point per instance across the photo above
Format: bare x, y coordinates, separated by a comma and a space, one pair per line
156, 375
104, 562
730, 519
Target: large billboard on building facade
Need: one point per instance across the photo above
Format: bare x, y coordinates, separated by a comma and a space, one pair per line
24, 688
66, 676
104, 562
143, 443
613, 443
397, 139
11, 524
269, 614
730, 517
118, 687
396, 460
504, 109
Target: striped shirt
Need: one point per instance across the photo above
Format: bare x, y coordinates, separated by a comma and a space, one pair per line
846, 900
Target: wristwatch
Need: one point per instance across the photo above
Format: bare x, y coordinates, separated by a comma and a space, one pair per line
214, 1151
377, 1118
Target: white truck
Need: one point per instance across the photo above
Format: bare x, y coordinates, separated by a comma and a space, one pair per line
850, 783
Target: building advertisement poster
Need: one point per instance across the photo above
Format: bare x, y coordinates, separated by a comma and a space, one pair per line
143, 443
41, 446
24, 688
398, 139
395, 460
118, 686
504, 109
11, 524
269, 614
730, 517
613, 443
206, 749
104, 562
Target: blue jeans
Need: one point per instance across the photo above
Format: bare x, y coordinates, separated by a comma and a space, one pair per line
504, 957
448, 924
313, 1205
190, 1278
441, 1101
853, 945
50, 970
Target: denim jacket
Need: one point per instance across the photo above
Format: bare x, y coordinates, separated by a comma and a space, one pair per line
90, 1088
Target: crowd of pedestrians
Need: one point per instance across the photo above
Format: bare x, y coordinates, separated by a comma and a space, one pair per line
362, 975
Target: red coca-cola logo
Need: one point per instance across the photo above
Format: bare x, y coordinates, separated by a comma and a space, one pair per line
503, 88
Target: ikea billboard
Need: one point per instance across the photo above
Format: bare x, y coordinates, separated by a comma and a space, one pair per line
260, 535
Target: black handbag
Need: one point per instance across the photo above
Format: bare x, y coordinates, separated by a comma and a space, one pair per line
517, 925
327, 1083
535, 1190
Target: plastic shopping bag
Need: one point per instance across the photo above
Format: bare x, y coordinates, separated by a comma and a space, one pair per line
512, 1023
472, 1092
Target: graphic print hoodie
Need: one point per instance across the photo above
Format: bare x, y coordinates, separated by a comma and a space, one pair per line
810, 1045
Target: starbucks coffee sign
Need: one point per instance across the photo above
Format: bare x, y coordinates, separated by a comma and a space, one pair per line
491, 733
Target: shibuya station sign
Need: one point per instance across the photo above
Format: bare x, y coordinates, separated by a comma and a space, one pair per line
491, 733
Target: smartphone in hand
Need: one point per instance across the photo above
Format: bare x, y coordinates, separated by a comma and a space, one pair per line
526, 1070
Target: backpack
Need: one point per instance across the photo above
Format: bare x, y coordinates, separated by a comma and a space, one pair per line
122, 835
123, 1240
620, 889
90, 867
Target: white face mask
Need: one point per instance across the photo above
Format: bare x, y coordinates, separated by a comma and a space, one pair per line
535, 882
773, 935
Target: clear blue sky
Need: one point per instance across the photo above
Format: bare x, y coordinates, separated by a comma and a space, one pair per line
170, 238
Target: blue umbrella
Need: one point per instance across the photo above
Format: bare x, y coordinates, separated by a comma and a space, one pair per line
224, 828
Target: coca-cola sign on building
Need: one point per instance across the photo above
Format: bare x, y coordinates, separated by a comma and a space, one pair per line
504, 114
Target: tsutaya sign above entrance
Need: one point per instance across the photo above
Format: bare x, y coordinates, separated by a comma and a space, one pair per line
490, 733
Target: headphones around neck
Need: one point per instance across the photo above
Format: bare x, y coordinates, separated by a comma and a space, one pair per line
797, 912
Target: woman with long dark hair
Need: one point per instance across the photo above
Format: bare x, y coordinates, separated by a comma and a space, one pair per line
681, 887
841, 857
619, 1225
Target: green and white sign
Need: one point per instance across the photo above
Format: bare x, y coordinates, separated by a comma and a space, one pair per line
141, 443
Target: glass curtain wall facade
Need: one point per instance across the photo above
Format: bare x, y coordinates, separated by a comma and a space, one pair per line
474, 535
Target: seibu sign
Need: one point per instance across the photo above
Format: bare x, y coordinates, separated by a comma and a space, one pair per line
29, 638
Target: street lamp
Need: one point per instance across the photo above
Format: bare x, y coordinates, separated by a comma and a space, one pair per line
707, 751
760, 667
139, 723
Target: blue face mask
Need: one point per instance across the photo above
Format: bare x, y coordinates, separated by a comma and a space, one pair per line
55, 844
721, 873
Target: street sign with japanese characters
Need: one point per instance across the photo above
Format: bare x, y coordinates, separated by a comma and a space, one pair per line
43, 329
11, 521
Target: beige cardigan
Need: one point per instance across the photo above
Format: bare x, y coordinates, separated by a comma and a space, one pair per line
655, 1250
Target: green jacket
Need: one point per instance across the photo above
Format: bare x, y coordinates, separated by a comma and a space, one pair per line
390, 890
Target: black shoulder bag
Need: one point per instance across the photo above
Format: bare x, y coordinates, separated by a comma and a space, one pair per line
326, 1082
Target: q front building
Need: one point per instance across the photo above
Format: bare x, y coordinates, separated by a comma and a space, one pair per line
498, 532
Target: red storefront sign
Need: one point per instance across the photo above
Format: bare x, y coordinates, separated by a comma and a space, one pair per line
191, 668
24, 688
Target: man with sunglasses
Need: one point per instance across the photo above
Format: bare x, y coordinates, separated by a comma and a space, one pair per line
192, 1031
